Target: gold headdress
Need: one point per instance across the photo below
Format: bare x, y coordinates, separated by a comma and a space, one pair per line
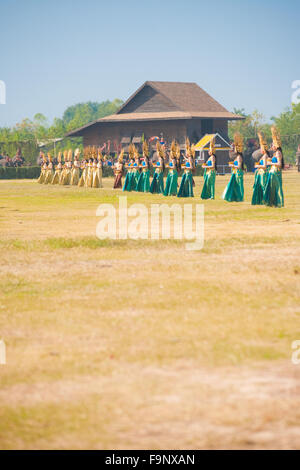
77, 154
262, 142
193, 151
160, 150
238, 142
276, 137
131, 151
145, 149
188, 146
120, 159
70, 155
59, 157
135, 152
49, 157
212, 146
177, 151
94, 152
66, 155
100, 156
173, 149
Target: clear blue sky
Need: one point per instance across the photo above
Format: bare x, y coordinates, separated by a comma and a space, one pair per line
55, 53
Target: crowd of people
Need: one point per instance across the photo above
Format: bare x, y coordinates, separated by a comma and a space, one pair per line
267, 187
17, 160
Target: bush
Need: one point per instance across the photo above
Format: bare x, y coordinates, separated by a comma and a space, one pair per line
21, 172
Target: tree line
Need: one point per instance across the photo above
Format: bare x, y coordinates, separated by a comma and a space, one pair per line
28, 134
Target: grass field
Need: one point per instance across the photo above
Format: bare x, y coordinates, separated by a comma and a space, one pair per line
143, 344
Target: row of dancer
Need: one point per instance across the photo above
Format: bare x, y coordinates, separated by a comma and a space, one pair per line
86, 172
267, 188
138, 171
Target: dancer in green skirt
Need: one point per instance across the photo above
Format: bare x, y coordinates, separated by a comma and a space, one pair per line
208, 191
234, 190
157, 184
172, 178
135, 170
186, 184
143, 184
273, 194
260, 177
129, 167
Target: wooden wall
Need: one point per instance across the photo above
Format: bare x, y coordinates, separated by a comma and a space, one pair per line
172, 129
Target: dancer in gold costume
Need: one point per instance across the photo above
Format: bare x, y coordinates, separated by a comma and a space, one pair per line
76, 169
58, 170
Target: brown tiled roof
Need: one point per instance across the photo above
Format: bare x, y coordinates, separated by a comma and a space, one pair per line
185, 96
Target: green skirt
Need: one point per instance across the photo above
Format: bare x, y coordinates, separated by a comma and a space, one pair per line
171, 183
273, 193
157, 185
234, 190
208, 191
186, 185
143, 185
259, 185
127, 182
135, 180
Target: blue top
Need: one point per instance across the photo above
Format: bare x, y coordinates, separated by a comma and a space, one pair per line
144, 163
157, 163
209, 163
188, 164
170, 164
274, 160
236, 163
135, 164
261, 162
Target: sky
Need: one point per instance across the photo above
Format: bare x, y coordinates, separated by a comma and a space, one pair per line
56, 53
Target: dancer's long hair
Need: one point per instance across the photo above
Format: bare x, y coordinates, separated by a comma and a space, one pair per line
241, 155
282, 159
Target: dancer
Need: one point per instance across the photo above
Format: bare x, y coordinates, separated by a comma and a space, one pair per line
208, 190
136, 169
58, 170
62, 175
172, 178
49, 172
273, 194
186, 185
95, 176
129, 166
89, 175
76, 169
260, 177
144, 178
234, 190
83, 167
44, 167
66, 173
99, 170
118, 171
157, 185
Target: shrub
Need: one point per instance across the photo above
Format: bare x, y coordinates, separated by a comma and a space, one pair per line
22, 172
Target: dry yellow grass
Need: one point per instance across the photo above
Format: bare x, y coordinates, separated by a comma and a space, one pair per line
143, 344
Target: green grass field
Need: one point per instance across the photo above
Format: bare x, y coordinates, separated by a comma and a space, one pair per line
143, 344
